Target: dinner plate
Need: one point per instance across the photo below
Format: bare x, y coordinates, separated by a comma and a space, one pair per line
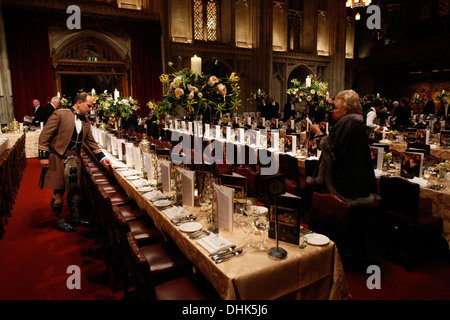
317, 239
121, 168
162, 203
191, 227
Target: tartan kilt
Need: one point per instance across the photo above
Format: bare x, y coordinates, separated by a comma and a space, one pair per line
54, 176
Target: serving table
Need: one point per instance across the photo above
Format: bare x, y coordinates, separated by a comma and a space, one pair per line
315, 272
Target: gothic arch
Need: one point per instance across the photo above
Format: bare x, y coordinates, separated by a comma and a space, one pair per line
99, 56
300, 73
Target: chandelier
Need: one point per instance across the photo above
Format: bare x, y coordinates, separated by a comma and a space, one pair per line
357, 3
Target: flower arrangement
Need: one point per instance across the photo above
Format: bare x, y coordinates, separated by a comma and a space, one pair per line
259, 96
65, 103
416, 99
5, 129
387, 157
442, 96
443, 166
120, 107
25, 129
315, 93
199, 93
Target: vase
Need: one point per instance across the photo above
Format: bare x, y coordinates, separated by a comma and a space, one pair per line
386, 165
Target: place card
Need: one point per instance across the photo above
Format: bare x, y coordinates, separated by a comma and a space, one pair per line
129, 153
187, 182
120, 143
165, 175
148, 165
225, 207
137, 158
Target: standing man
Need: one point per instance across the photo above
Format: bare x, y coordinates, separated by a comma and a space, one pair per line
50, 108
370, 117
38, 113
59, 153
289, 109
429, 107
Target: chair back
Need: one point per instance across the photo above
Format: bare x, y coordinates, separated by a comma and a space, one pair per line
252, 180
140, 271
330, 216
400, 196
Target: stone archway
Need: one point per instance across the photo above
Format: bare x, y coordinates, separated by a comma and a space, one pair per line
90, 59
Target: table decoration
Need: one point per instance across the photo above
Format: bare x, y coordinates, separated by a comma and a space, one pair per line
199, 95
313, 91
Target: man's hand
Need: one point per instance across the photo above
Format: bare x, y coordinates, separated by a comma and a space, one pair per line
44, 163
106, 162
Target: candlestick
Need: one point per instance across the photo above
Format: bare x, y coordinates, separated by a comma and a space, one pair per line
196, 65
308, 81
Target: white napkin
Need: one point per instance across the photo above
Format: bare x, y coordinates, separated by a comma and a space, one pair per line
214, 242
420, 181
385, 141
139, 183
156, 194
175, 212
128, 173
379, 173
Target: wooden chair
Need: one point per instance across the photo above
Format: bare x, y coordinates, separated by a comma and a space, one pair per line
184, 287
409, 233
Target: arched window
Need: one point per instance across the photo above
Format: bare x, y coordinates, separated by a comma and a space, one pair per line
206, 20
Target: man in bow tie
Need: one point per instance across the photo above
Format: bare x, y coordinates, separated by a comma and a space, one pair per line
59, 153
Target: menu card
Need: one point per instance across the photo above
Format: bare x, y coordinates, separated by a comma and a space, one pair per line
137, 158
165, 175
129, 153
120, 143
275, 140
225, 207
148, 165
187, 190
412, 163
377, 154
423, 136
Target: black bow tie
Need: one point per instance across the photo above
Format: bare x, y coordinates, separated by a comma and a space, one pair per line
79, 116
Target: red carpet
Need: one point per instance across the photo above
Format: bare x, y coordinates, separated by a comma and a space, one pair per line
34, 257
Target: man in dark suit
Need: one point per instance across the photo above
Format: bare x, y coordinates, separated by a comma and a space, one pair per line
429, 107
59, 149
38, 113
289, 109
274, 107
50, 108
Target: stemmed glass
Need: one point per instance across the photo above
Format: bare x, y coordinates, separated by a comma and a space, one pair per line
261, 222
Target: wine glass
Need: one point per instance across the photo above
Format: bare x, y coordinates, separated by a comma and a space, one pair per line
261, 222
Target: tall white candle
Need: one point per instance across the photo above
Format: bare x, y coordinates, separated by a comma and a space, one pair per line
93, 91
196, 65
308, 81
58, 95
116, 94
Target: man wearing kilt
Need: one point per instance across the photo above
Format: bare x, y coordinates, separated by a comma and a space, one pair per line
59, 153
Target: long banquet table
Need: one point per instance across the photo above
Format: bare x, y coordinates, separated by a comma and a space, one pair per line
315, 272
31, 142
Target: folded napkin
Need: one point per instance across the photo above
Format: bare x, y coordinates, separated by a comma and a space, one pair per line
384, 141
152, 195
175, 212
130, 172
420, 181
139, 183
214, 242
379, 173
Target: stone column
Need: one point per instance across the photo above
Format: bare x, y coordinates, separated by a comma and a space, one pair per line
6, 101
264, 52
335, 73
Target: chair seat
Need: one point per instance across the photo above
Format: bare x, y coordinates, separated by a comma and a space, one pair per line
186, 288
426, 224
131, 212
119, 198
166, 261
145, 232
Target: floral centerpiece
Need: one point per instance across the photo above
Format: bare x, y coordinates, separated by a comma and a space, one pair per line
314, 93
197, 94
387, 158
121, 107
259, 96
65, 103
442, 169
416, 99
442, 96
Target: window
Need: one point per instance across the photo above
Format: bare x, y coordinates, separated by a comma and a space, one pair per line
206, 20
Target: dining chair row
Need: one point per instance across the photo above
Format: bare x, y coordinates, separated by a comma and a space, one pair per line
118, 218
12, 166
